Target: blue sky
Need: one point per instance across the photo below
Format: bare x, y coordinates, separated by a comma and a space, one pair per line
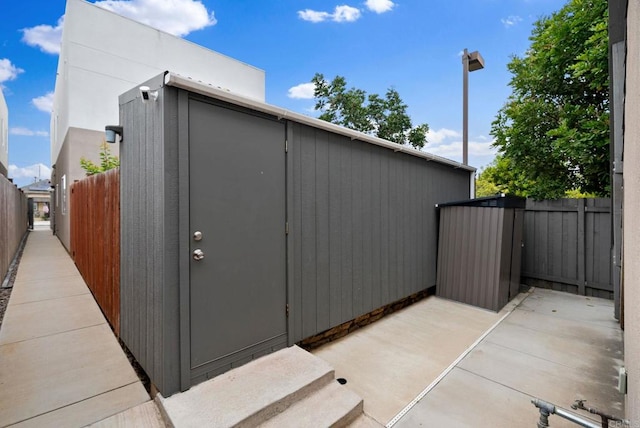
411, 45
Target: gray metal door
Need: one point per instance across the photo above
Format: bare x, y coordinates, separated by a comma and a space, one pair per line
237, 204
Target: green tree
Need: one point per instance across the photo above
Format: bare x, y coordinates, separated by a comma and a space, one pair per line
107, 161
553, 131
485, 187
500, 177
372, 114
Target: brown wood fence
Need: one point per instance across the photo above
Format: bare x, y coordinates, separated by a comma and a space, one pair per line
13, 222
567, 246
95, 239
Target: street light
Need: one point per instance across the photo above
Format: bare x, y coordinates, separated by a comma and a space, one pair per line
470, 62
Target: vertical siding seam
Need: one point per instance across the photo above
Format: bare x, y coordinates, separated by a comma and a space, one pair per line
315, 209
329, 285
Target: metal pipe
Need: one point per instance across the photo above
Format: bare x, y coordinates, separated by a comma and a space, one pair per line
576, 419
547, 409
465, 107
605, 417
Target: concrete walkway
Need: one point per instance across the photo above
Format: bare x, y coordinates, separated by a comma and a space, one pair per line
554, 346
60, 364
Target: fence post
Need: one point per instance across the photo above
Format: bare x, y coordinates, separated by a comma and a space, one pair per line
581, 248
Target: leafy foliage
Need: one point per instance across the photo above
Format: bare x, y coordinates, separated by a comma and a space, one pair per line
500, 177
485, 187
385, 118
107, 161
553, 131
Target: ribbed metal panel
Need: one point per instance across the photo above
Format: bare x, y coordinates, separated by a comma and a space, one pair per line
364, 226
475, 255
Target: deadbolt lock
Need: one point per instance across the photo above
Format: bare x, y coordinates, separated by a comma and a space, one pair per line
198, 255
197, 236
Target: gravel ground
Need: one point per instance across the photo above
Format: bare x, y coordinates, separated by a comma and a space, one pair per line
5, 292
4, 301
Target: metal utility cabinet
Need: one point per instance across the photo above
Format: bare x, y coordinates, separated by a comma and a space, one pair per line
247, 228
479, 251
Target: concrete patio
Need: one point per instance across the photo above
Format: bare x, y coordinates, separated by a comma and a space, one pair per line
435, 363
555, 346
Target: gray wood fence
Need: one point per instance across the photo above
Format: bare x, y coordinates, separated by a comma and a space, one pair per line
13, 222
567, 246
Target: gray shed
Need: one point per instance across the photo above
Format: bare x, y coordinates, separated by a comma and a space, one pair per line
479, 251
247, 228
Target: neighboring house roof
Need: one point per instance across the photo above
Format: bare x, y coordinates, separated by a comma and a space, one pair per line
41, 186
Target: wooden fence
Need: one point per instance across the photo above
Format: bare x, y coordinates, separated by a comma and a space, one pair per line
567, 246
13, 222
95, 239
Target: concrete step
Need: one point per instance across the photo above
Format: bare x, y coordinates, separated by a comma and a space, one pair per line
145, 415
332, 406
250, 394
365, 421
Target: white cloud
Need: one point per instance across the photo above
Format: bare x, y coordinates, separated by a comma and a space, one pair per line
346, 13
343, 13
37, 170
44, 103
8, 71
454, 149
302, 91
177, 17
28, 132
510, 20
379, 6
448, 144
45, 37
313, 15
437, 137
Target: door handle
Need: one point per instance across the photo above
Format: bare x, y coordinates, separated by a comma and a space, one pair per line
198, 255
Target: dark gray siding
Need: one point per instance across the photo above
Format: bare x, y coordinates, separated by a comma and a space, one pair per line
362, 221
149, 237
364, 226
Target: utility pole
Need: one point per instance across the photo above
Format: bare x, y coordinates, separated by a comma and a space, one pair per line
470, 62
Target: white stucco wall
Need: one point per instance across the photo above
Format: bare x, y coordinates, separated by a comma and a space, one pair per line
632, 215
104, 54
4, 133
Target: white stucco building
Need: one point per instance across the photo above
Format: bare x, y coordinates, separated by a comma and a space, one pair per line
103, 55
4, 136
